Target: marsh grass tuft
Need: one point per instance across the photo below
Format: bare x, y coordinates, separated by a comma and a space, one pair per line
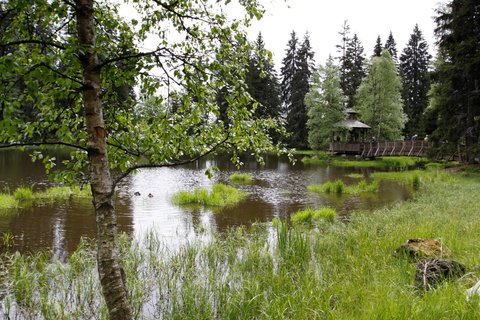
241, 178
355, 175
7, 201
309, 216
339, 187
24, 194
221, 195
25, 197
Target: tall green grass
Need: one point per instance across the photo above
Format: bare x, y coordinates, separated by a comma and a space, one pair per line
382, 162
220, 195
26, 197
309, 216
342, 271
339, 187
242, 178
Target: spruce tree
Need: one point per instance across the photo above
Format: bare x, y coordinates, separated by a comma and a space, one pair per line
356, 71
289, 68
391, 46
414, 64
325, 104
457, 89
379, 99
344, 62
378, 48
351, 63
262, 82
297, 111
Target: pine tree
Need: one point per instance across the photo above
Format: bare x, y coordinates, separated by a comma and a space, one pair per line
325, 104
391, 46
379, 99
378, 48
289, 68
414, 64
457, 89
262, 82
297, 111
351, 61
344, 61
356, 70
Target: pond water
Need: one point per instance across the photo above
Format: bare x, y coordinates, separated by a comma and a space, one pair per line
279, 189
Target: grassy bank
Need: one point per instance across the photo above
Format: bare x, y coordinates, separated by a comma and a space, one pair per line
26, 197
324, 159
339, 271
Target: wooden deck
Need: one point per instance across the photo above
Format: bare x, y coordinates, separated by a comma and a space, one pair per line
381, 148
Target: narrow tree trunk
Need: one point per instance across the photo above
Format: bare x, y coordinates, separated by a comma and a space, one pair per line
109, 266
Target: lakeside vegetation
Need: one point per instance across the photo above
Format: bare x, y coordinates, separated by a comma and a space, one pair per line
339, 187
241, 178
344, 270
26, 197
397, 162
220, 196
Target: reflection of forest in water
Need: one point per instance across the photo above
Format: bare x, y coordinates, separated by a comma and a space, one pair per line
279, 189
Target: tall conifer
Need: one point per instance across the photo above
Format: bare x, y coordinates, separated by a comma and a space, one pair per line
414, 64
456, 94
378, 48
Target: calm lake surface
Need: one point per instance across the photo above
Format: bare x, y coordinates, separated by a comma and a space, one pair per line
279, 189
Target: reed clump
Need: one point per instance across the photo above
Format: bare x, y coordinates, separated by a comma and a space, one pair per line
26, 197
221, 195
339, 187
241, 178
310, 216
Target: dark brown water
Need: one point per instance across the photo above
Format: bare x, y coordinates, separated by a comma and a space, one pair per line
279, 189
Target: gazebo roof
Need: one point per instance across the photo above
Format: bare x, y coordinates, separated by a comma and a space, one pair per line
352, 124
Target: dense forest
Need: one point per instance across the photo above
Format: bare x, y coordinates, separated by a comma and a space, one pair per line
399, 94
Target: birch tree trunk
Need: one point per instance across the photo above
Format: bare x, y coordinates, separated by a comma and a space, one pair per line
111, 273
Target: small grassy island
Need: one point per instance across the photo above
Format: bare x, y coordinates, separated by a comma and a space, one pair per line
220, 196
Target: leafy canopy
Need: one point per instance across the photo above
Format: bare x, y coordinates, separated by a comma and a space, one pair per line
196, 52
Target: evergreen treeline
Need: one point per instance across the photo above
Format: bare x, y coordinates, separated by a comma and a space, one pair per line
398, 93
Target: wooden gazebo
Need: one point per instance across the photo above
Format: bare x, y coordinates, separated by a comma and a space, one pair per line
351, 136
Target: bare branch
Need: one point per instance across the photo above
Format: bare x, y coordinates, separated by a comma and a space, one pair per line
43, 143
32, 41
78, 81
132, 56
170, 164
136, 154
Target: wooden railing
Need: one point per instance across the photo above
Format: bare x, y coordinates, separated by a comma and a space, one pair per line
381, 148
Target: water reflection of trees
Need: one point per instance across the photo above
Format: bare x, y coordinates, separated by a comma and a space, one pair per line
60, 227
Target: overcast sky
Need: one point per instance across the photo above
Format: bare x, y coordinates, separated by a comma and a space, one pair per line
323, 19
